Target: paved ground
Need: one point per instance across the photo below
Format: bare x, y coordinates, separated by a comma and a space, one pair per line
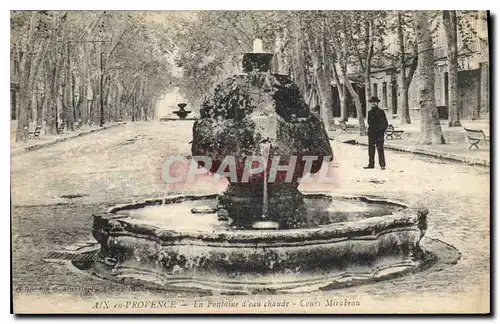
124, 163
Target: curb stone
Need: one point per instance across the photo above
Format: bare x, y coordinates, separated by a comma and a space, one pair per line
62, 139
428, 152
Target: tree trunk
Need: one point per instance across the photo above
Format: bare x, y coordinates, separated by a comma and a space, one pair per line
280, 53
62, 100
118, 101
368, 90
454, 104
33, 83
352, 92
70, 113
343, 103
63, 92
341, 53
357, 103
404, 103
298, 60
24, 112
60, 110
368, 58
314, 97
39, 111
325, 97
430, 127
327, 71
87, 91
133, 107
51, 96
146, 110
46, 89
321, 81
341, 89
109, 105
76, 97
95, 108
98, 109
89, 107
90, 99
33, 105
82, 102
24, 84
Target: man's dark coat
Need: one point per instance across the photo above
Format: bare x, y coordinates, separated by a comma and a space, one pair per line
377, 122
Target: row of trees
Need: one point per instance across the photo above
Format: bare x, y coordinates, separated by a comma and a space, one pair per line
318, 47
90, 66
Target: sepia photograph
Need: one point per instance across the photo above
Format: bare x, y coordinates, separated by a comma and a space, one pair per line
250, 162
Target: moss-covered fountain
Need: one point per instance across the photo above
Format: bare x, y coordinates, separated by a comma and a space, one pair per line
259, 235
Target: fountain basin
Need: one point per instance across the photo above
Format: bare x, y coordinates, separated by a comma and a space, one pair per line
380, 238
182, 113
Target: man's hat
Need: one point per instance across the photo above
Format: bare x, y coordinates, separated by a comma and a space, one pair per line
374, 99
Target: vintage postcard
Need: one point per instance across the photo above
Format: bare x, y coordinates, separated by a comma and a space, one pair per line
293, 162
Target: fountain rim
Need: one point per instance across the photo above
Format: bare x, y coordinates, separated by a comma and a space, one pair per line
408, 218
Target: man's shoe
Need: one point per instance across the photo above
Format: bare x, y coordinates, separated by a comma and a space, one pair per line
369, 167
383, 168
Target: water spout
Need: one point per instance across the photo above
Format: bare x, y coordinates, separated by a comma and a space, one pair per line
264, 151
266, 123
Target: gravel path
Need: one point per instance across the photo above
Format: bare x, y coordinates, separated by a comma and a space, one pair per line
124, 163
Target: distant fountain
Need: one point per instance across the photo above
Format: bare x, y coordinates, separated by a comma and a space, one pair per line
264, 223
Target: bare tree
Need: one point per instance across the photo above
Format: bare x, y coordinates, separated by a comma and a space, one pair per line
341, 42
321, 78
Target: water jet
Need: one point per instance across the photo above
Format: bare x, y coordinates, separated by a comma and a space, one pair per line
259, 236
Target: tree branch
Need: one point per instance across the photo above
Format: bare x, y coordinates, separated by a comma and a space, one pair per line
369, 43
413, 67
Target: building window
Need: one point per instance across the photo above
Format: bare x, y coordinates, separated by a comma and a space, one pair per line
375, 90
446, 93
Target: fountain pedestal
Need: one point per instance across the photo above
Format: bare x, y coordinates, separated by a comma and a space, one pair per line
245, 205
246, 111
259, 235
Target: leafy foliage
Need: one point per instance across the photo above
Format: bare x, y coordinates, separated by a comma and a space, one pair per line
59, 52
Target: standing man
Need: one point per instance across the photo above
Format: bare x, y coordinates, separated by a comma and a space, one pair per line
377, 124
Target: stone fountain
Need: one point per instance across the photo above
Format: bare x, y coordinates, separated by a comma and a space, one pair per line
259, 235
